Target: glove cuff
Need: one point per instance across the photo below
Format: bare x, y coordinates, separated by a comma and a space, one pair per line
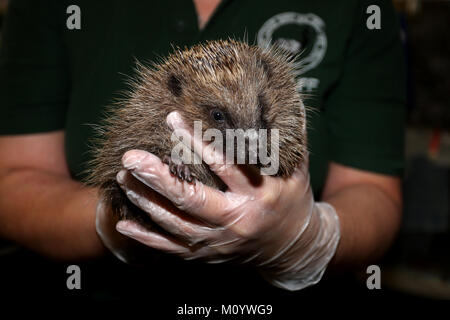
323, 232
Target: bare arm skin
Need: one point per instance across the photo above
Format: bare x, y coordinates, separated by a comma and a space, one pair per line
369, 207
41, 207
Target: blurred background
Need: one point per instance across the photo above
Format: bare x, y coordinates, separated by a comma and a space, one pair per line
419, 262
418, 265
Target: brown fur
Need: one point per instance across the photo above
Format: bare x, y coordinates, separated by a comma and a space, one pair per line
256, 88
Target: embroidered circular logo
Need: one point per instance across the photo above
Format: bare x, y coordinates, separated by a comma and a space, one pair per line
311, 42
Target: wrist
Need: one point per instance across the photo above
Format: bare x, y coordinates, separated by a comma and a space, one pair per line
105, 225
305, 262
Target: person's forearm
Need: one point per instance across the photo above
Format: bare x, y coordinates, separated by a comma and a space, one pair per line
369, 221
49, 213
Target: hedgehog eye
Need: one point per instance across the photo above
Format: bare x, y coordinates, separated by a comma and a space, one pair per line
217, 115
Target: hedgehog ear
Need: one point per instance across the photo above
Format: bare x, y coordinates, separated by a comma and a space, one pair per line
267, 68
174, 85
263, 109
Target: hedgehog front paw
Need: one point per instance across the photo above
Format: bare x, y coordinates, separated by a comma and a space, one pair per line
181, 171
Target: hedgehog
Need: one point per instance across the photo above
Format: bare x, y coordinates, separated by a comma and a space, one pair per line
225, 84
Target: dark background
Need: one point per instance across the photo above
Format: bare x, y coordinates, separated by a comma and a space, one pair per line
416, 267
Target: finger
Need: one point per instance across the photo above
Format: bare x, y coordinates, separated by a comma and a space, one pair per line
149, 238
163, 213
231, 174
162, 242
200, 201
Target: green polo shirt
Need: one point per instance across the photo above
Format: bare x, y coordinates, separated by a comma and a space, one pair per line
56, 78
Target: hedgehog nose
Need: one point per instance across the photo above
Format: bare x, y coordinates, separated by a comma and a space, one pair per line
251, 143
251, 135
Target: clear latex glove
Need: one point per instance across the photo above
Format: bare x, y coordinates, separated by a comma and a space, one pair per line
274, 225
124, 248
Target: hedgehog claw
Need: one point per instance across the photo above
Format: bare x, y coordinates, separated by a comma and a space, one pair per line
181, 171
166, 159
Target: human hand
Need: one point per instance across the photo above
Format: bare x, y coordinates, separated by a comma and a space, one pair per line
124, 248
270, 222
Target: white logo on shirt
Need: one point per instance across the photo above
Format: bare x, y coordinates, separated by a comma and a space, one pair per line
317, 48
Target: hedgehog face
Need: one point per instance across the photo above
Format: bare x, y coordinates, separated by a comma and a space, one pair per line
220, 102
225, 85
231, 85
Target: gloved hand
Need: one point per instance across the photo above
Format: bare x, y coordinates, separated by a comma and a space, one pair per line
124, 248
275, 225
